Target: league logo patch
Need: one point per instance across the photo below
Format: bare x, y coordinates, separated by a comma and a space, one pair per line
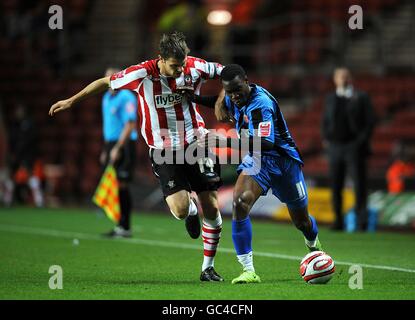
130, 107
264, 129
188, 80
171, 184
118, 75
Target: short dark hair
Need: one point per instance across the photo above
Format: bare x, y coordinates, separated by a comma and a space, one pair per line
173, 45
231, 71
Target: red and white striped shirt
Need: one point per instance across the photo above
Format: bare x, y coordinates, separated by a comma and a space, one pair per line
166, 119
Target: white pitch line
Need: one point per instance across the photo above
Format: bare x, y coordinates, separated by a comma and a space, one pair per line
86, 236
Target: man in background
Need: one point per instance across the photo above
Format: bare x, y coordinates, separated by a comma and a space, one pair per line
347, 126
4, 175
119, 113
25, 183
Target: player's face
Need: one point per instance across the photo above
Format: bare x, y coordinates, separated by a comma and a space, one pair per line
238, 90
172, 67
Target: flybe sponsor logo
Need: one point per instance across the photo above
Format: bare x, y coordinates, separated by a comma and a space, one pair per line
167, 100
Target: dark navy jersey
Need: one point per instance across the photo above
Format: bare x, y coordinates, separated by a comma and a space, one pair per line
262, 117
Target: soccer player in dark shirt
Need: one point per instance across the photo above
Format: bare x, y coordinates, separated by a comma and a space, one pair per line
275, 165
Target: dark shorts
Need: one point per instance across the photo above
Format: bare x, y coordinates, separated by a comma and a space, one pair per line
190, 177
125, 163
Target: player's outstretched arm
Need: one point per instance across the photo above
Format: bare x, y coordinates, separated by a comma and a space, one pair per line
93, 88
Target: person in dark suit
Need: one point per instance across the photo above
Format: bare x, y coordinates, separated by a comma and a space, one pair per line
347, 126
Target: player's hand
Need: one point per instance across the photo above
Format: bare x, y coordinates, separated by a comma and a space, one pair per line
60, 106
211, 140
103, 158
187, 92
114, 154
221, 113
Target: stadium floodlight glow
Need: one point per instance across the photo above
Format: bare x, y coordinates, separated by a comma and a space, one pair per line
219, 17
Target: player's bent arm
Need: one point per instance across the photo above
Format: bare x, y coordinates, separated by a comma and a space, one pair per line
221, 112
125, 134
251, 144
207, 101
93, 88
214, 102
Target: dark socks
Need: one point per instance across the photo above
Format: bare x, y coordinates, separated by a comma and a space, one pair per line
311, 234
125, 204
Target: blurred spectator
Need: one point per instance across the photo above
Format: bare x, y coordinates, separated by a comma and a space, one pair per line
4, 177
76, 28
26, 170
242, 34
25, 24
3, 139
17, 18
270, 9
347, 126
402, 170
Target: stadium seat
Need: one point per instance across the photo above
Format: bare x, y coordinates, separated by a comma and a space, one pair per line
382, 148
71, 148
404, 132
74, 135
49, 151
92, 149
71, 167
65, 120
382, 133
88, 186
317, 29
377, 165
316, 166
49, 133
381, 104
404, 117
312, 55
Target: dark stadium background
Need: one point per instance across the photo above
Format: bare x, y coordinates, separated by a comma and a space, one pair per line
289, 47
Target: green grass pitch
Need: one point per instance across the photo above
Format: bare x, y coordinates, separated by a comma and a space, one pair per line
162, 262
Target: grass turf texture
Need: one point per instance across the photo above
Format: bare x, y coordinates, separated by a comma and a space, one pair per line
162, 262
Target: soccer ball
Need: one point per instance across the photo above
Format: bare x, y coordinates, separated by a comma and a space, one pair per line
317, 267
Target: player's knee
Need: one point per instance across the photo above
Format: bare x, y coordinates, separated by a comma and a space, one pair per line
242, 202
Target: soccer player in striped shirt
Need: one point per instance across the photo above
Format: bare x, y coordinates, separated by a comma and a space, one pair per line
275, 164
170, 122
